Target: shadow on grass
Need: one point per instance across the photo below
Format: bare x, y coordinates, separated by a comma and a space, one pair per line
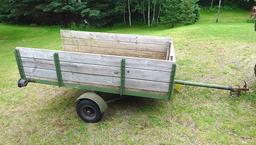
64, 103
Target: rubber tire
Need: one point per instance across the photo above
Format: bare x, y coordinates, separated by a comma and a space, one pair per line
87, 102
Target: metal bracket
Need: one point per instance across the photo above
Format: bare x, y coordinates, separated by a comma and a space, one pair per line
122, 77
58, 70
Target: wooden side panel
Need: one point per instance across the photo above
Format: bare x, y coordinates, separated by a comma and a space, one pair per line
133, 73
115, 44
69, 77
84, 43
100, 59
82, 68
115, 37
116, 51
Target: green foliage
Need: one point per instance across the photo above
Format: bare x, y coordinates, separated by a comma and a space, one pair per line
4, 9
246, 4
101, 13
180, 11
98, 13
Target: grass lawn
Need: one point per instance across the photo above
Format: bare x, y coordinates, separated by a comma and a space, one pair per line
222, 53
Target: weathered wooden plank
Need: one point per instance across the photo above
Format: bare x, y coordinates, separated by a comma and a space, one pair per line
116, 44
159, 76
100, 59
117, 52
96, 79
88, 43
115, 37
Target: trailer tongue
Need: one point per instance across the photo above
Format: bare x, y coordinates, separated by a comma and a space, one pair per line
232, 89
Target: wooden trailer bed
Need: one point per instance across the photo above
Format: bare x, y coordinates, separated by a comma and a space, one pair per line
142, 66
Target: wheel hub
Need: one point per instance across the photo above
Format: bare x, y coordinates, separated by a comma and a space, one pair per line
88, 112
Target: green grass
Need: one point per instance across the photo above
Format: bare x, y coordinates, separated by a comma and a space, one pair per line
222, 53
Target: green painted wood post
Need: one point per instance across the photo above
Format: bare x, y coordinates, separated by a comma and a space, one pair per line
122, 77
171, 82
58, 69
19, 64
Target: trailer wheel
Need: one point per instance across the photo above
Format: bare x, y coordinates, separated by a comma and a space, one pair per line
88, 111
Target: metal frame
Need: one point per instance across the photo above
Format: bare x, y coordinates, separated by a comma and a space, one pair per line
103, 89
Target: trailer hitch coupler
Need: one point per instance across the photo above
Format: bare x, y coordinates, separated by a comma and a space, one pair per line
239, 89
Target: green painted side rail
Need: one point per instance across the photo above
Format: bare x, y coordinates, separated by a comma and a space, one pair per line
19, 64
102, 89
122, 78
171, 82
58, 69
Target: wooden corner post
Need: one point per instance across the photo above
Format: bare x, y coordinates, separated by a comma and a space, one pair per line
19, 64
171, 82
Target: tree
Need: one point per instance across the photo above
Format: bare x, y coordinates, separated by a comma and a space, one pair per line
98, 12
212, 2
245, 4
179, 12
129, 12
217, 20
149, 13
154, 11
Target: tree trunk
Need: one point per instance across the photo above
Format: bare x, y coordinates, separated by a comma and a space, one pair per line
158, 14
124, 14
148, 12
217, 20
129, 12
143, 12
154, 12
212, 3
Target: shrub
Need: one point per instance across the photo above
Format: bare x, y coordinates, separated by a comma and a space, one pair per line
245, 4
180, 12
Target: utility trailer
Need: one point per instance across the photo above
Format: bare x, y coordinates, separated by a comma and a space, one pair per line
132, 65
128, 65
